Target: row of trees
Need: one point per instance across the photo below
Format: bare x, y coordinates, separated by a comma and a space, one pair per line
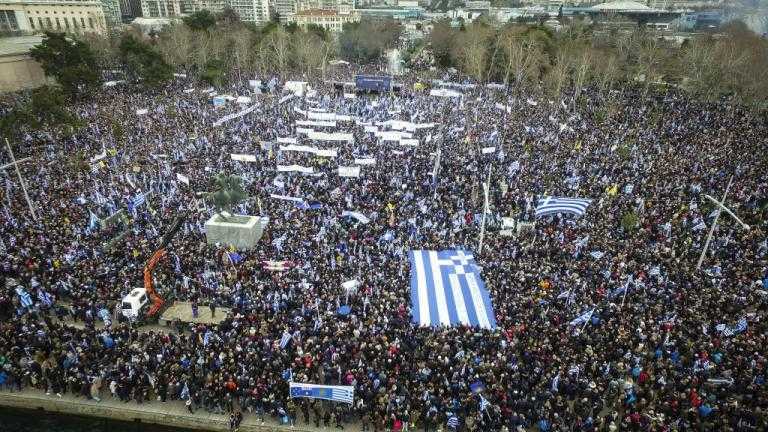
731, 63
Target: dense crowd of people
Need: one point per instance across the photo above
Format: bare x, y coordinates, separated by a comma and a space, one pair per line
667, 347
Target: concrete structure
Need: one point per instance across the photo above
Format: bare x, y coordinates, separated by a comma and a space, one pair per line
112, 12
71, 16
255, 11
398, 13
327, 19
182, 311
160, 8
283, 9
240, 231
17, 69
172, 414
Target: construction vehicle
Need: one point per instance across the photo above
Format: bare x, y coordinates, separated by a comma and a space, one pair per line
160, 253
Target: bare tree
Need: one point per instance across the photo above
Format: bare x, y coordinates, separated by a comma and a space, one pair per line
472, 50
523, 55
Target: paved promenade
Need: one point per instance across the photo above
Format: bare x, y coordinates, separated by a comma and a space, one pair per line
167, 414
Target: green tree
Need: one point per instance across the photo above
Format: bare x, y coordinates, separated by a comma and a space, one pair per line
214, 72
71, 62
201, 20
142, 62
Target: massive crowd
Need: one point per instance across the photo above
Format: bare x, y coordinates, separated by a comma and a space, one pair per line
652, 357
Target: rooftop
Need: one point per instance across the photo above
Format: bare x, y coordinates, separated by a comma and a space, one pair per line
622, 5
18, 44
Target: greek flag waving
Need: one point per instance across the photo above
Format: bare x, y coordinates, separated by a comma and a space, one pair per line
24, 298
549, 205
446, 289
317, 391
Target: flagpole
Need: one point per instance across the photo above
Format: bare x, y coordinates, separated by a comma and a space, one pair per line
712, 228
15, 164
486, 187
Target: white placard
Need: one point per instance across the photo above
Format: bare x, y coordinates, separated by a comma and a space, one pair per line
488, 150
243, 157
142, 111
409, 142
286, 140
353, 171
307, 149
295, 168
365, 161
182, 178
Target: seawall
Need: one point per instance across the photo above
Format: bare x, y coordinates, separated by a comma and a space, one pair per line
172, 414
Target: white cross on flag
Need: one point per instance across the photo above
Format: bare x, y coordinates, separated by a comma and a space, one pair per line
446, 289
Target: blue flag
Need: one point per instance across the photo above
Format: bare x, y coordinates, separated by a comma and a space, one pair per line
235, 257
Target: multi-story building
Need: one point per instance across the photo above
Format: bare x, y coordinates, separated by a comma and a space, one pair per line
256, 11
160, 8
192, 6
327, 19
130, 8
71, 16
283, 9
112, 12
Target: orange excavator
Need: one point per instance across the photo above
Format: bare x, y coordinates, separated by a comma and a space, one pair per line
157, 301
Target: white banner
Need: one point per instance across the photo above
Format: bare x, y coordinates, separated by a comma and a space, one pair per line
350, 96
488, 150
243, 157
316, 123
444, 93
189, 90
307, 149
353, 171
286, 198
295, 168
229, 117
142, 111
357, 215
323, 136
365, 161
286, 140
371, 129
393, 135
409, 142
182, 178
305, 131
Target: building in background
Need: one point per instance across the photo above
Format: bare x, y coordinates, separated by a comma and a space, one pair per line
69, 16
255, 11
283, 9
191, 6
160, 8
130, 9
327, 19
18, 70
113, 14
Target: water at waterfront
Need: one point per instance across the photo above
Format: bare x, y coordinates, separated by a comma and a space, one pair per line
15, 420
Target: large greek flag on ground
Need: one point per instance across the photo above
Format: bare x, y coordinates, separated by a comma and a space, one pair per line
549, 205
446, 289
327, 392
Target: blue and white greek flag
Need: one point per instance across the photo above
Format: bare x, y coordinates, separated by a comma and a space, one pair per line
317, 391
285, 339
139, 200
45, 298
24, 298
446, 289
581, 319
549, 205
484, 404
